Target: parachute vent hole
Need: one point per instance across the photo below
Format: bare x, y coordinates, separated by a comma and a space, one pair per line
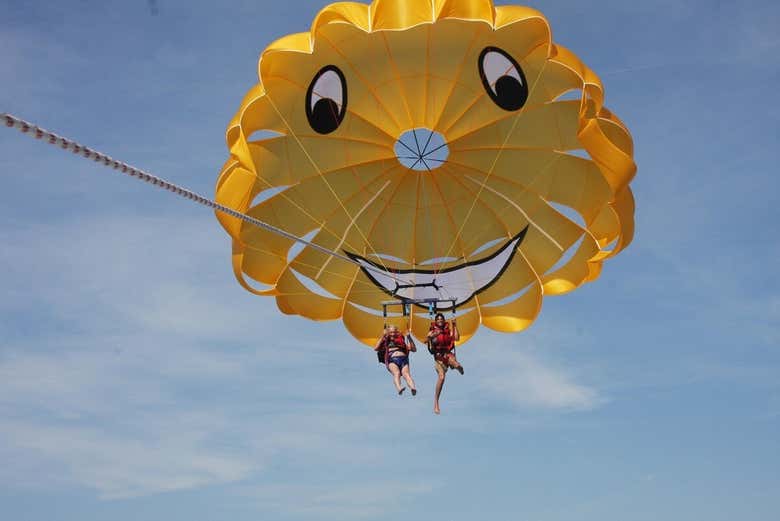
567, 255
421, 149
268, 194
256, 284
570, 95
375, 312
263, 135
569, 212
312, 286
390, 258
611, 245
439, 260
487, 246
579, 152
299, 246
511, 298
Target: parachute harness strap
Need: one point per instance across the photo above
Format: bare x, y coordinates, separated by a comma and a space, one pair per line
51, 138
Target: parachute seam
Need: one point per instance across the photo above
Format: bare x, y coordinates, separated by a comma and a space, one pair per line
518, 208
306, 152
481, 92
352, 223
495, 161
398, 77
452, 222
585, 229
527, 109
458, 75
362, 188
370, 231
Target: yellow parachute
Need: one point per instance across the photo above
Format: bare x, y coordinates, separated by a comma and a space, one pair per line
448, 148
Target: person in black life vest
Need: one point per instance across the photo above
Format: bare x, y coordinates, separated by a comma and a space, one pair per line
397, 348
441, 343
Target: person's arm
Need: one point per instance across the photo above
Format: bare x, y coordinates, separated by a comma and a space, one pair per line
455, 334
380, 341
410, 343
432, 332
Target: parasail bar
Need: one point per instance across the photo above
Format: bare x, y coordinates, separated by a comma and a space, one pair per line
452, 301
431, 303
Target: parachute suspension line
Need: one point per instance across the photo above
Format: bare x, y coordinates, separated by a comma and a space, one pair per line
349, 227
322, 176
519, 209
406, 311
464, 256
408, 315
437, 239
423, 203
51, 138
515, 120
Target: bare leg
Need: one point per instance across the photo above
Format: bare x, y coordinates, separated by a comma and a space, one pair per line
409, 381
439, 385
454, 364
396, 377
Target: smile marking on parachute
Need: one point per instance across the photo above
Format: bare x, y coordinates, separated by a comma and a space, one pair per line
459, 283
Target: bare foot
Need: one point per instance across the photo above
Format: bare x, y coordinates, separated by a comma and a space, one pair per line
436, 409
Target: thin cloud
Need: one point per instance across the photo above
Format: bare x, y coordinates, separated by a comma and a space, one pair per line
120, 467
527, 381
356, 500
162, 361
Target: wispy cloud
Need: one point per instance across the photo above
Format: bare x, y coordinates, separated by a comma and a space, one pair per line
132, 364
122, 466
160, 357
356, 500
107, 397
525, 379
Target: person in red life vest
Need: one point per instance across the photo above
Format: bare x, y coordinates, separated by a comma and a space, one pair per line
441, 342
396, 349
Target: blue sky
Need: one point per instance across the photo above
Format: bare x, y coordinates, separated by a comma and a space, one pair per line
139, 381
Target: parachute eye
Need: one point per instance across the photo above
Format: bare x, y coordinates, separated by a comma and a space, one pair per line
326, 100
503, 78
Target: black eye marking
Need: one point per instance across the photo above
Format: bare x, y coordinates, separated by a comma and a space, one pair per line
326, 100
502, 78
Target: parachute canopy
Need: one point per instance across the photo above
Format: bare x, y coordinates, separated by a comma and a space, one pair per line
448, 148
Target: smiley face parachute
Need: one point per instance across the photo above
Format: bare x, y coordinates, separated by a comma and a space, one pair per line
448, 148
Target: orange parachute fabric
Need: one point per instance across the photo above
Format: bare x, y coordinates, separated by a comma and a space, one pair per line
447, 143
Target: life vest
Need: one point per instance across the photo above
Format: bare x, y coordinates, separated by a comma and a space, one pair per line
397, 341
443, 341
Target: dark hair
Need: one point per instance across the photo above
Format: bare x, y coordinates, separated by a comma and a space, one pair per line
439, 315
